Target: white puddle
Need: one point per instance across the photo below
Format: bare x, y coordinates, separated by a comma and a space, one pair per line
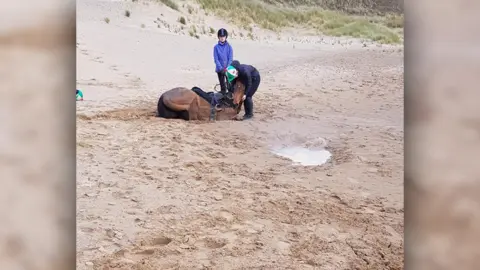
303, 156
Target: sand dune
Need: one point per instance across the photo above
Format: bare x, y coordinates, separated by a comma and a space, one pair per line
158, 194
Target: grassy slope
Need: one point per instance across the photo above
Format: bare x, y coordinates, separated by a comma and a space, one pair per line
346, 6
383, 29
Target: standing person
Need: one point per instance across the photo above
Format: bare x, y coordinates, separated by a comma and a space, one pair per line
223, 56
250, 77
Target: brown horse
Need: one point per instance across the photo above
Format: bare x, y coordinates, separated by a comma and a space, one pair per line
195, 104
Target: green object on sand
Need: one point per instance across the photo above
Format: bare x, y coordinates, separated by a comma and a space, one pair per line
79, 95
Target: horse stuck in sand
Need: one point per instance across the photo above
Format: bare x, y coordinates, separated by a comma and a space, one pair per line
196, 104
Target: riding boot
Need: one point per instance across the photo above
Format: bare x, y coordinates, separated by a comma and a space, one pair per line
223, 83
248, 103
223, 91
230, 87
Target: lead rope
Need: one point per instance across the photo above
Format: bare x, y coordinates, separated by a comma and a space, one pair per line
213, 106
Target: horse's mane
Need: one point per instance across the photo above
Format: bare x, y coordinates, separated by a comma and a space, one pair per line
209, 96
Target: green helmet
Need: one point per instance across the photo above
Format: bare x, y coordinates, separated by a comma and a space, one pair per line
232, 73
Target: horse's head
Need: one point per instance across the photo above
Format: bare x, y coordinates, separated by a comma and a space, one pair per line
238, 93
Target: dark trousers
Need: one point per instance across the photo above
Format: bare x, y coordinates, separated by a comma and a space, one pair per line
248, 103
223, 82
255, 84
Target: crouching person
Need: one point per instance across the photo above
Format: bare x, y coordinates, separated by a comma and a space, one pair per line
250, 77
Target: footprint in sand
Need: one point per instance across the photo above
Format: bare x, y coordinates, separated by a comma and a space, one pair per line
225, 216
216, 155
147, 252
98, 60
148, 249
161, 241
211, 243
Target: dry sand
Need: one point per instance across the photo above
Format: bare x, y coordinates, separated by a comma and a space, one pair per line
170, 194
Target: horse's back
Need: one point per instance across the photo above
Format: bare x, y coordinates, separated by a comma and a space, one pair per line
179, 94
178, 98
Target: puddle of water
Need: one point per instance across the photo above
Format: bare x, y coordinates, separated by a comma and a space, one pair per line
303, 156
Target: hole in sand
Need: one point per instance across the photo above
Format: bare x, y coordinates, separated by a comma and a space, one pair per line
161, 241
304, 156
123, 114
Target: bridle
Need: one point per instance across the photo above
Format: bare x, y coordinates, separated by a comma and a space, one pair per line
227, 102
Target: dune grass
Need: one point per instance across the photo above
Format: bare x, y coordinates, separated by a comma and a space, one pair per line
170, 3
381, 29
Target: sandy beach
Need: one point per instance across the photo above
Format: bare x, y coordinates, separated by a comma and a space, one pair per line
171, 194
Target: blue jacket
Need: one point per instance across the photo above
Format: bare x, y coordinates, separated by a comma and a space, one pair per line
223, 56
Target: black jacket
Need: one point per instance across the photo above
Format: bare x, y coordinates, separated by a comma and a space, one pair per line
245, 74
